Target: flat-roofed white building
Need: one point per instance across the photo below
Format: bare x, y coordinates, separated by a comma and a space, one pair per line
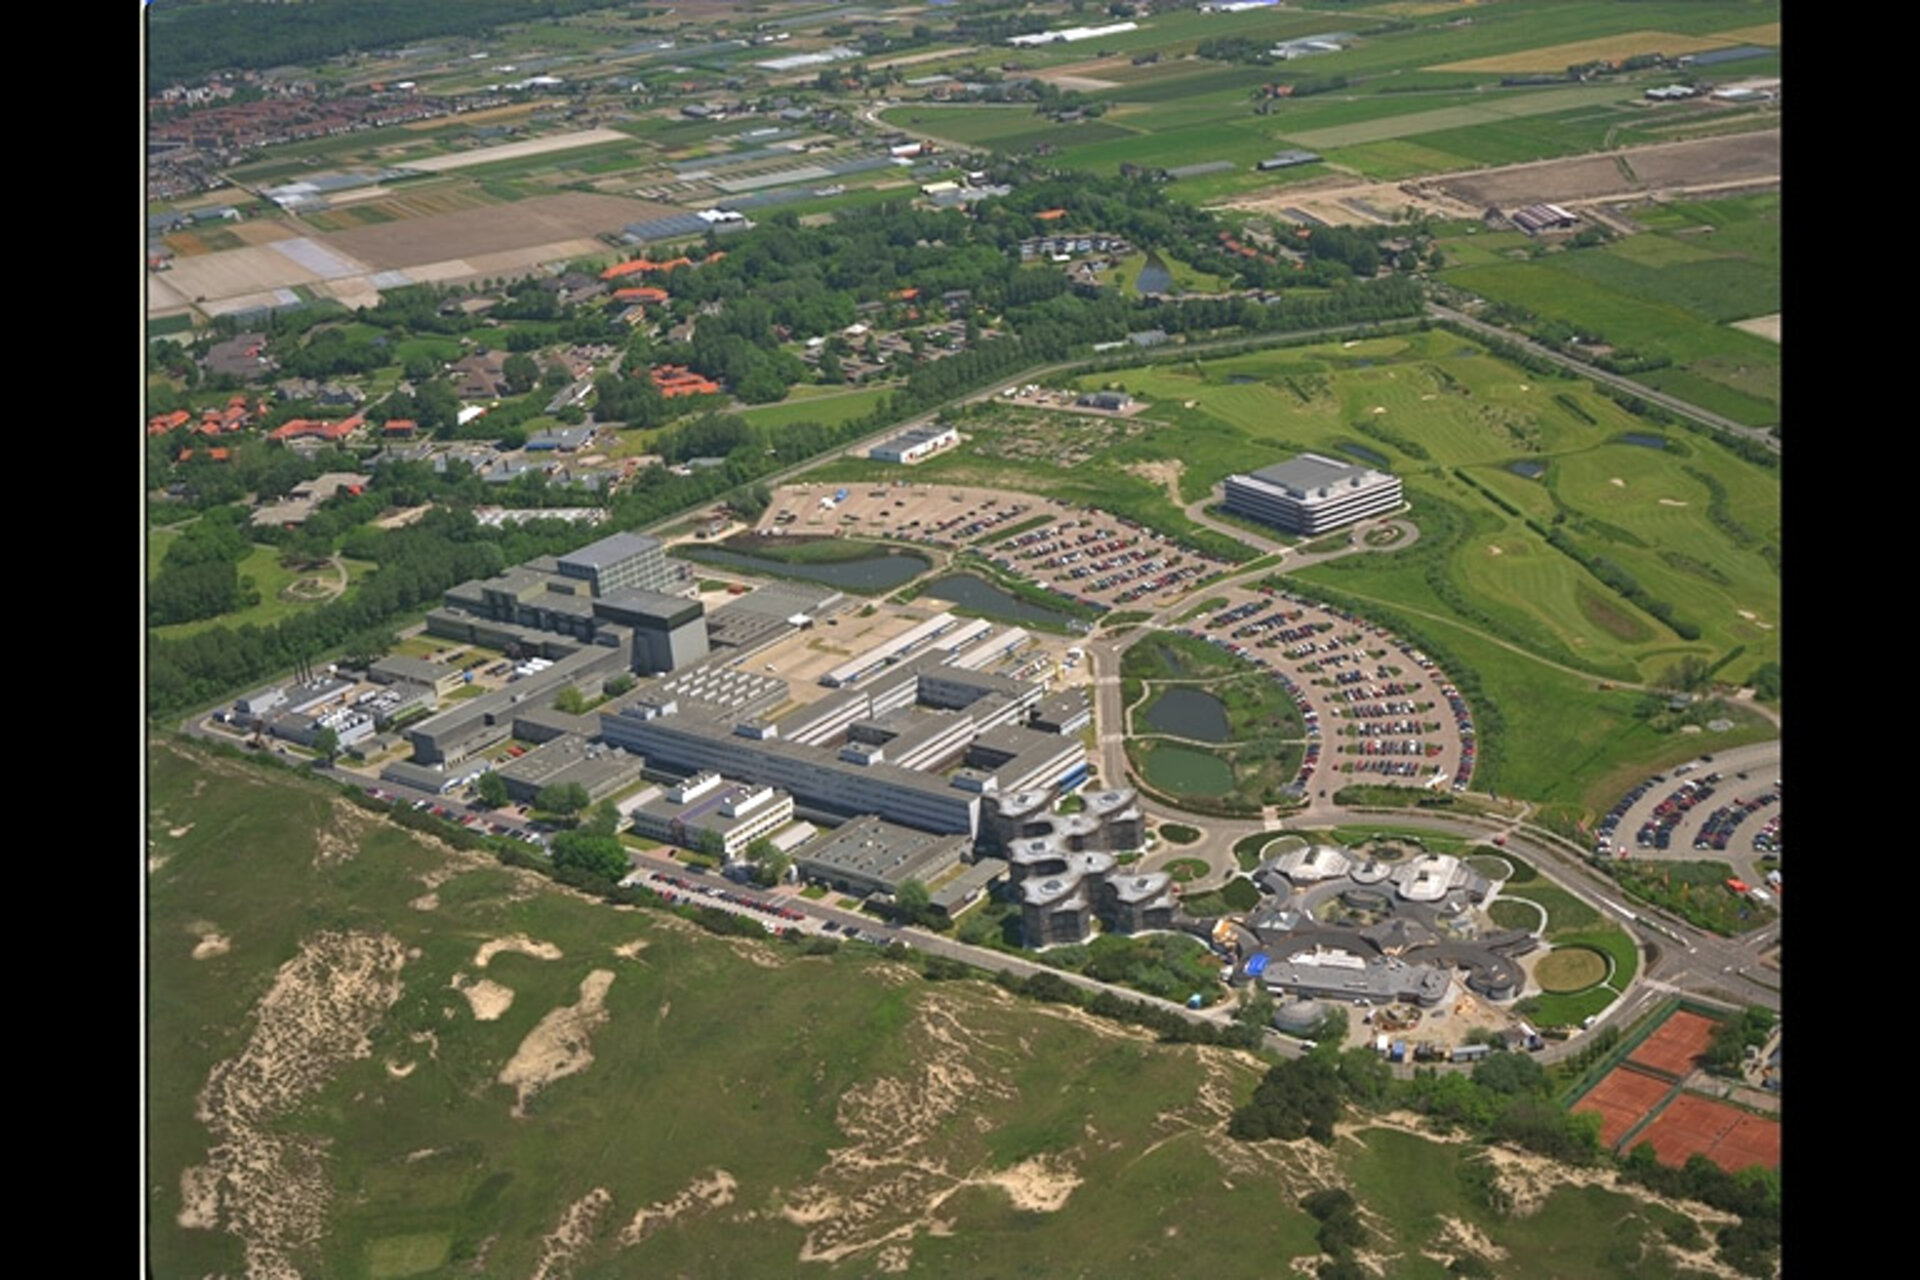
1312, 494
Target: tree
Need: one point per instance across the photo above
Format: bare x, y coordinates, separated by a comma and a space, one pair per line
599, 855
570, 700
1510, 1073
492, 790
520, 371
326, 744
563, 798
619, 685
913, 900
710, 842
605, 820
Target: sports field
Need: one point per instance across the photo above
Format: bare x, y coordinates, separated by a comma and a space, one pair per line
1731, 1138
1622, 1099
1676, 1044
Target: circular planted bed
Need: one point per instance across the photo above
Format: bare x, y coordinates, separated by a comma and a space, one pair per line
1518, 913
1384, 535
1178, 833
1491, 865
1568, 969
1185, 870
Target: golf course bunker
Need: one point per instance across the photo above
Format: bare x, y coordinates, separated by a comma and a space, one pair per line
1188, 713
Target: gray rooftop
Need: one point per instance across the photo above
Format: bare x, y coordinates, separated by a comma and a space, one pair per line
610, 550
1311, 471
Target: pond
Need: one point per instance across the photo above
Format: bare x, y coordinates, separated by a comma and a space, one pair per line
873, 574
1643, 439
1154, 276
1365, 454
1242, 379
1189, 713
989, 601
1531, 470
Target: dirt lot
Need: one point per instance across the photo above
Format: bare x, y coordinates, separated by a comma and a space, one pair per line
1328, 199
1741, 158
1558, 57
497, 229
1767, 327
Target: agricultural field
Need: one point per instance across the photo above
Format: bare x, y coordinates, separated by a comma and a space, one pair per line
426, 1060
1673, 292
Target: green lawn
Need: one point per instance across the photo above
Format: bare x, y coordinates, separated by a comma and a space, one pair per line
829, 406
270, 579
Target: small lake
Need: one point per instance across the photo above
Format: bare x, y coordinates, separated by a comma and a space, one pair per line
1531, 470
1190, 714
1642, 439
873, 574
1365, 454
989, 601
1154, 276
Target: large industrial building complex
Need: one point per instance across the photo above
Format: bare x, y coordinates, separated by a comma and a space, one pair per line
1312, 494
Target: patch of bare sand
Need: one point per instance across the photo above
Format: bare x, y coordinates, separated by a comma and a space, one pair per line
1617, 481
212, 942
339, 842
1672, 502
571, 1234
630, 950
155, 861
702, 1195
888, 1183
1459, 1236
561, 1044
487, 998
400, 1070
1165, 474
271, 1189
177, 832
426, 902
1039, 1185
1767, 327
519, 943
1494, 550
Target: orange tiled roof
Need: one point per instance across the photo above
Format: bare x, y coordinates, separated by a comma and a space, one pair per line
1048, 215
641, 293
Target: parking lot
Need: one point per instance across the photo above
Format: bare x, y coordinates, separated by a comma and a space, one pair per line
1102, 560
1377, 710
1722, 807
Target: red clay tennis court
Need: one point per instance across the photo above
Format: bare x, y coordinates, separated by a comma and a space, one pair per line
1731, 1138
1620, 1099
1676, 1043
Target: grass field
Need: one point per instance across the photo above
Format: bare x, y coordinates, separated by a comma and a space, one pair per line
270, 579
1671, 291
829, 406
425, 1162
